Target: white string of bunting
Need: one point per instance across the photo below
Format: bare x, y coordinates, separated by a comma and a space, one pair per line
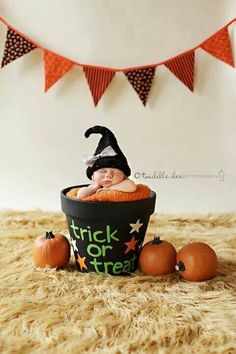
18, 44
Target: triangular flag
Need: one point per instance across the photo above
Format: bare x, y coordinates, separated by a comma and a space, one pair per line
183, 68
15, 47
55, 67
98, 81
219, 46
141, 80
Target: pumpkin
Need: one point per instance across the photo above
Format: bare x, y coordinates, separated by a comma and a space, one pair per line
51, 250
157, 257
196, 261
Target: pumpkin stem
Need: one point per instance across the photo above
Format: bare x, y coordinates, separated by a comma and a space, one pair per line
156, 240
180, 266
49, 234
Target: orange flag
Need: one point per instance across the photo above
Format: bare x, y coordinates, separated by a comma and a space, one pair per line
183, 68
98, 81
55, 67
219, 46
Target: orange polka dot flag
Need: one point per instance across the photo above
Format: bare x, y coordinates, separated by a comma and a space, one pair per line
55, 67
219, 46
99, 78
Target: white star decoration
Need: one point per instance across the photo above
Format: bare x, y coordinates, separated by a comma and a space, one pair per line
74, 245
136, 226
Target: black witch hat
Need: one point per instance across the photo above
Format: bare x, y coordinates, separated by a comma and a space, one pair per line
107, 154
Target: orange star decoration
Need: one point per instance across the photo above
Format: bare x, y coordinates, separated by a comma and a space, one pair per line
81, 261
131, 245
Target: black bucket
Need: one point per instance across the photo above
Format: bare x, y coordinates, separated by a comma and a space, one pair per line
107, 236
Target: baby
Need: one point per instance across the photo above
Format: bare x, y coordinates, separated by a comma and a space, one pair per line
108, 167
108, 178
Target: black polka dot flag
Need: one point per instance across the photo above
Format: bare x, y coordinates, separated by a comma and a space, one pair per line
141, 80
15, 47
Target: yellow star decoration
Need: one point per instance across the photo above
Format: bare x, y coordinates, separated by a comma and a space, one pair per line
131, 245
136, 226
81, 261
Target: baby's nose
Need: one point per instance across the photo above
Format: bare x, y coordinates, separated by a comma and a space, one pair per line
109, 174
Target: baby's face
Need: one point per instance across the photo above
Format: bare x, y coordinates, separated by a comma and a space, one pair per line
106, 177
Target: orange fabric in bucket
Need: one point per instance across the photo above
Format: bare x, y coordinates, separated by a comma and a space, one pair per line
108, 195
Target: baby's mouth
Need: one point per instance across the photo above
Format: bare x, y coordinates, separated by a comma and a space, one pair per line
107, 182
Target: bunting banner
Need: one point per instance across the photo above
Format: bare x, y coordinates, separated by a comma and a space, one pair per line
182, 66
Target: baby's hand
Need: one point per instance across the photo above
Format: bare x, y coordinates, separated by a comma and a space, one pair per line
102, 189
95, 186
87, 191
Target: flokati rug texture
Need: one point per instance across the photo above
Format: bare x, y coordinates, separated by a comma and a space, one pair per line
50, 311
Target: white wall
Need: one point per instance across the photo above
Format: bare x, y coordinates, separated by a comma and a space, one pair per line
42, 142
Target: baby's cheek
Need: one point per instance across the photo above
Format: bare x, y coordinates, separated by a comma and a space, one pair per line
118, 179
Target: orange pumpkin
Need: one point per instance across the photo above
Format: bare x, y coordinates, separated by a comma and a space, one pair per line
196, 261
51, 250
157, 257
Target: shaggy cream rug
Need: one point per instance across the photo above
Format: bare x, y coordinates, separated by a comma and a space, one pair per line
47, 311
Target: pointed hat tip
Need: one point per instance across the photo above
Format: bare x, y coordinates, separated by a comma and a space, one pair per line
97, 129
